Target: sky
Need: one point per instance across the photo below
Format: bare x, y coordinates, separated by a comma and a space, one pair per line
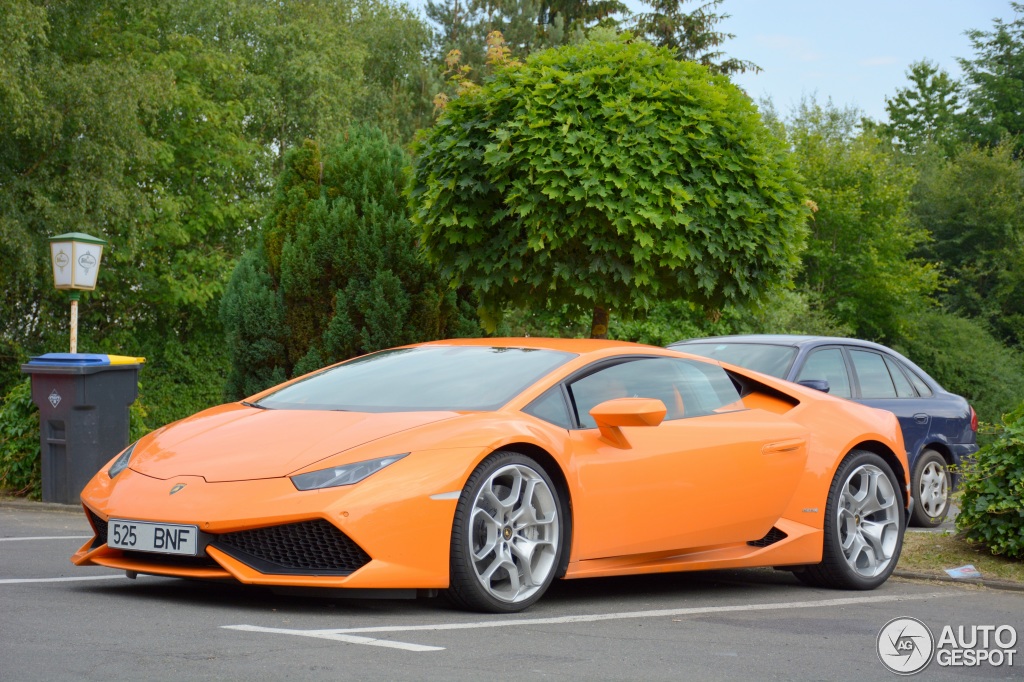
856, 53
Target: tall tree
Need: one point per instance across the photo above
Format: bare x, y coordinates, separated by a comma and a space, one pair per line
692, 34
858, 263
973, 206
398, 82
995, 80
157, 127
156, 165
527, 25
604, 176
926, 112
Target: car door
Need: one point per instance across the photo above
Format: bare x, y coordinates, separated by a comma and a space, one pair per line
882, 384
825, 363
711, 473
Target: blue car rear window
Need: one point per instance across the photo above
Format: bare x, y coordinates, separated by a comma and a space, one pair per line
765, 358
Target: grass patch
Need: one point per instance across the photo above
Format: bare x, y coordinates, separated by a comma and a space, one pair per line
935, 552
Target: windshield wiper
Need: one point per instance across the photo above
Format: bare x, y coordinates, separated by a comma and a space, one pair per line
258, 407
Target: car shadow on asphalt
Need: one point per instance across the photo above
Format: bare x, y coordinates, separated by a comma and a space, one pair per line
596, 594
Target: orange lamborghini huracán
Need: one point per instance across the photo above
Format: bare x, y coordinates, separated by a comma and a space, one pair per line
488, 468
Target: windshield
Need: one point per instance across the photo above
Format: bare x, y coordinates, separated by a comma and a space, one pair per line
426, 378
760, 357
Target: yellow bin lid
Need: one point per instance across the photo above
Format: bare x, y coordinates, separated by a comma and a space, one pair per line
125, 360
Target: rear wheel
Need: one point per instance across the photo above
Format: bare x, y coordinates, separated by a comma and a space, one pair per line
863, 526
931, 484
507, 536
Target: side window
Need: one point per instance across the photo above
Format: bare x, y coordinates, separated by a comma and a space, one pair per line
903, 387
922, 388
828, 364
687, 388
551, 408
874, 378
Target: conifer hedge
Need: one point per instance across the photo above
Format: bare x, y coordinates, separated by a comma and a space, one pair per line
339, 271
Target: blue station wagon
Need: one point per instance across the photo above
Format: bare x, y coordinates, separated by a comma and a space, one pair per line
939, 427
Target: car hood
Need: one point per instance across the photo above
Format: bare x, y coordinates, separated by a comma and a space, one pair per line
236, 443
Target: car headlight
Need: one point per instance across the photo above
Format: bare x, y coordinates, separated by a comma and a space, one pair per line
343, 475
122, 462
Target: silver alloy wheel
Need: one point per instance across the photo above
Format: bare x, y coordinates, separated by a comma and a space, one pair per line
513, 539
868, 520
933, 490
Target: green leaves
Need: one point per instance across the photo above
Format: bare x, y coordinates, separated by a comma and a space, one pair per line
339, 273
19, 441
973, 205
859, 260
926, 112
995, 80
607, 173
157, 126
992, 506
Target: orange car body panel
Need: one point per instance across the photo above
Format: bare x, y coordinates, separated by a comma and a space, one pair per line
687, 494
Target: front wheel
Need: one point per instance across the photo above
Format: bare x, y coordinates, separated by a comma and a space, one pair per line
863, 526
931, 485
507, 537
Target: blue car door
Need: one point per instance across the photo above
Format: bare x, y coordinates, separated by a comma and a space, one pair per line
883, 384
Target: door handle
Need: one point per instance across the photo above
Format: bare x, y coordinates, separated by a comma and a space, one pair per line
921, 418
783, 447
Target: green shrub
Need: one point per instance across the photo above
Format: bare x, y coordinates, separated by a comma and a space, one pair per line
339, 272
966, 359
180, 377
780, 312
992, 507
19, 442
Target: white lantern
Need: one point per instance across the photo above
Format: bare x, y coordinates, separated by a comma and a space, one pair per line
75, 258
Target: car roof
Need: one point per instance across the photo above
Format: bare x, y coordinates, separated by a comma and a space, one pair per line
795, 340
803, 341
578, 346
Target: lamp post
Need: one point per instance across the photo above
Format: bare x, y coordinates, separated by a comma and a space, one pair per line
75, 258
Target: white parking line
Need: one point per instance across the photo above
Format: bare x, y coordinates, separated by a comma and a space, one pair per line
14, 581
349, 635
337, 636
50, 537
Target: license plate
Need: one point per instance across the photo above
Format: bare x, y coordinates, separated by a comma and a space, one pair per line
145, 536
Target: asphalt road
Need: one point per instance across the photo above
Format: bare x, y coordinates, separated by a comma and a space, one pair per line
60, 622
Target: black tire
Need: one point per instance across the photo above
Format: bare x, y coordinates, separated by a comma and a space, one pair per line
504, 559
932, 486
858, 566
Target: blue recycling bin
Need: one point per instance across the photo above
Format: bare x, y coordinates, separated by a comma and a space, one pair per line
83, 401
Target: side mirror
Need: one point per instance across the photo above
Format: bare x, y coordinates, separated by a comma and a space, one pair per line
613, 414
816, 384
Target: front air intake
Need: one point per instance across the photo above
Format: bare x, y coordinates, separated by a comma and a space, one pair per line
100, 526
307, 548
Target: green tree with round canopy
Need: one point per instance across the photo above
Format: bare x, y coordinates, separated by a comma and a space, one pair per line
605, 176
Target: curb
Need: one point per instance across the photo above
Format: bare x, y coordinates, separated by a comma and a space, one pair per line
991, 584
33, 505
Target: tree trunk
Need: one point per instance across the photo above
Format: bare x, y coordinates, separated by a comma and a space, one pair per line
599, 323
